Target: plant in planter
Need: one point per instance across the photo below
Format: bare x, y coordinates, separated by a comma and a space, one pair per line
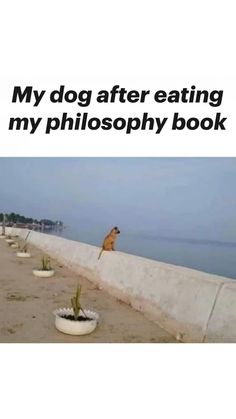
10, 240
14, 245
46, 271
75, 320
3, 233
23, 253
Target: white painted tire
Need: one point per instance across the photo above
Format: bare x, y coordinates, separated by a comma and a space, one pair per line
23, 255
43, 274
9, 241
14, 246
2, 237
72, 327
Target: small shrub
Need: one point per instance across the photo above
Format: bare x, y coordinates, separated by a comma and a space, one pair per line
46, 263
75, 302
24, 249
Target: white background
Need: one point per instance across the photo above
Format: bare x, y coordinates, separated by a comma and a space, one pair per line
95, 45
140, 45
112, 143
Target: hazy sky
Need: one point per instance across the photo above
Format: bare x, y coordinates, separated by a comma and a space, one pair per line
179, 197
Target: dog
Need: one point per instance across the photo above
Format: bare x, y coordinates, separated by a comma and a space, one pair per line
109, 241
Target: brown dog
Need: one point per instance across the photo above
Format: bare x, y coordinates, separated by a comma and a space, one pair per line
109, 241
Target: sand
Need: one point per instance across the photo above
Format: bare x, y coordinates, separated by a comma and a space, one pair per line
27, 303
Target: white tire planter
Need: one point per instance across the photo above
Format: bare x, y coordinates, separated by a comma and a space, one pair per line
14, 245
73, 327
9, 241
23, 255
43, 274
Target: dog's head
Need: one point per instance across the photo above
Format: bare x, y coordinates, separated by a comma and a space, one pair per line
115, 230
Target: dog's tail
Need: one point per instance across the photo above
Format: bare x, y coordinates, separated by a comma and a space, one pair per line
100, 254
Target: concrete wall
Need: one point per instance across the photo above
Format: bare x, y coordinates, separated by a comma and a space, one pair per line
193, 306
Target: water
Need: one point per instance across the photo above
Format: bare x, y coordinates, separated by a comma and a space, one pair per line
216, 257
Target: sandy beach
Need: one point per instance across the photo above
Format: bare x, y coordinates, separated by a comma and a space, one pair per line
27, 303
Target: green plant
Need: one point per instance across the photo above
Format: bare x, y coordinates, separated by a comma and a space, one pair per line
46, 265
75, 302
3, 224
24, 249
10, 244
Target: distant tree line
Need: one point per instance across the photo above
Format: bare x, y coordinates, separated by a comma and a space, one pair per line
21, 219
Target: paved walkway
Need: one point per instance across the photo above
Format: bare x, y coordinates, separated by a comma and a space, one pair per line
27, 302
